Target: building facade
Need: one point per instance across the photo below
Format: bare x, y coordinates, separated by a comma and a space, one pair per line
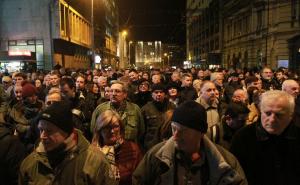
58, 31
148, 54
261, 33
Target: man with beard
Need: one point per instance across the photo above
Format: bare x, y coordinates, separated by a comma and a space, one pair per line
153, 113
188, 157
63, 155
268, 82
130, 113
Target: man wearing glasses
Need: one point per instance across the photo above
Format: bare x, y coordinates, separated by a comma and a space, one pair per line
130, 113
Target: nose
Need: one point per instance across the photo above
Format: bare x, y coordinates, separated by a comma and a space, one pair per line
272, 117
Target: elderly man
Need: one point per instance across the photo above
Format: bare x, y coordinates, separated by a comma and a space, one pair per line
130, 113
188, 157
63, 156
269, 149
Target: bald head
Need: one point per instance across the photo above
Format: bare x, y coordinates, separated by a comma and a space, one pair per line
291, 87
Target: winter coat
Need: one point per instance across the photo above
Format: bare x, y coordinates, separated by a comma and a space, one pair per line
131, 118
268, 159
84, 165
12, 152
153, 119
157, 166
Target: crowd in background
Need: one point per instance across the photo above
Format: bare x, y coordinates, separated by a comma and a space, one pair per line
124, 113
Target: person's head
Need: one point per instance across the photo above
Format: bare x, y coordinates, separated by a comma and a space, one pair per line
96, 72
107, 92
144, 86
277, 108
6, 81
68, 87
189, 124
253, 81
118, 92
80, 83
208, 92
197, 84
29, 92
55, 125
280, 74
95, 79
236, 115
234, 77
38, 83
146, 75
200, 74
133, 75
267, 73
217, 78
291, 87
18, 92
54, 95
54, 79
94, 88
102, 81
240, 95
175, 77
173, 89
109, 129
47, 80
156, 79
187, 80
18, 78
158, 92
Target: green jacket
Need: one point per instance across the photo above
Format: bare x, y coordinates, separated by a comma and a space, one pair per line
131, 118
157, 166
85, 165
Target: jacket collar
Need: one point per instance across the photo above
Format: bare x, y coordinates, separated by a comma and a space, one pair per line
216, 162
202, 102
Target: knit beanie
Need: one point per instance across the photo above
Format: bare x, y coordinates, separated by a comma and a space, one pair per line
28, 90
59, 114
191, 114
158, 87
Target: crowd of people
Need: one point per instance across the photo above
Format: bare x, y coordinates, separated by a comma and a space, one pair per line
150, 127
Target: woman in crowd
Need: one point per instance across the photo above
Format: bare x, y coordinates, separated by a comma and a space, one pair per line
124, 156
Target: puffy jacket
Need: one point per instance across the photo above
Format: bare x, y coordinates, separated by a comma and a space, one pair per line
85, 165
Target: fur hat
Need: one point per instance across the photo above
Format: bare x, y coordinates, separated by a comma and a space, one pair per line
28, 90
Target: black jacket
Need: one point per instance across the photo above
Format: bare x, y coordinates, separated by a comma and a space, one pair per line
12, 152
268, 159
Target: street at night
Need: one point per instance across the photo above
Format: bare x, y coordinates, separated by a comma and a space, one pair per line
136, 92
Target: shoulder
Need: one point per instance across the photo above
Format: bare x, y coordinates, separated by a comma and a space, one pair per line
30, 162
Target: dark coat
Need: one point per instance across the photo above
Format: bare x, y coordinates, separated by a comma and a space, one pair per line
189, 93
12, 152
268, 159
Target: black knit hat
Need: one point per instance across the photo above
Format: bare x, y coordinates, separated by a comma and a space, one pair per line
160, 87
191, 114
173, 85
59, 114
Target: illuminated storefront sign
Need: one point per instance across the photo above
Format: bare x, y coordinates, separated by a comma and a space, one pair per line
19, 53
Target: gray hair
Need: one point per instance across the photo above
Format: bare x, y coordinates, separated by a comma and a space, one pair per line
275, 95
124, 86
287, 83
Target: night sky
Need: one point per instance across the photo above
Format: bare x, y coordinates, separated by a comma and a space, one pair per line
151, 20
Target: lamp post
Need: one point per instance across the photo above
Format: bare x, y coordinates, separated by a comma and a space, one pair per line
92, 33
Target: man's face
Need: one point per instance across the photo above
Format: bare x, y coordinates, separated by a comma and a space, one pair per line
117, 95
18, 80
267, 74
240, 96
186, 139
54, 80
95, 79
187, 81
292, 89
156, 79
275, 116
133, 76
102, 82
67, 91
158, 95
107, 92
172, 92
50, 99
279, 75
209, 93
51, 136
80, 84
219, 79
18, 92
175, 77
144, 87
200, 74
